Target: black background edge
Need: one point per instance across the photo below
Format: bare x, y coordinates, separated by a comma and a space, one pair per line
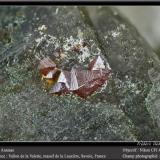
78, 2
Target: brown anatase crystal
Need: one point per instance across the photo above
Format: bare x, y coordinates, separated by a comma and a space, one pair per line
77, 81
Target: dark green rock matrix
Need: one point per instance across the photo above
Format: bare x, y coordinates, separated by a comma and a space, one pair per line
124, 109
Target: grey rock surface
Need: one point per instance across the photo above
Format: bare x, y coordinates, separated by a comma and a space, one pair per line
117, 111
153, 100
131, 60
33, 115
149, 15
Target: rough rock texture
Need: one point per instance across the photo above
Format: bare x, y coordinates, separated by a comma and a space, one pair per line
131, 60
117, 111
153, 100
31, 116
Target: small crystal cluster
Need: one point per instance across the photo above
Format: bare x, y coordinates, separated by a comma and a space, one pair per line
77, 81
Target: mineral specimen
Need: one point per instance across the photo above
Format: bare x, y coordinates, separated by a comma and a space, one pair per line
80, 82
46, 65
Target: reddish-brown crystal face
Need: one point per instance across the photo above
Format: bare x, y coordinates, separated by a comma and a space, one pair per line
46, 65
91, 64
91, 86
80, 82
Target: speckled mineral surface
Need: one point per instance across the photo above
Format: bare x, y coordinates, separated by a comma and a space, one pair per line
126, 108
